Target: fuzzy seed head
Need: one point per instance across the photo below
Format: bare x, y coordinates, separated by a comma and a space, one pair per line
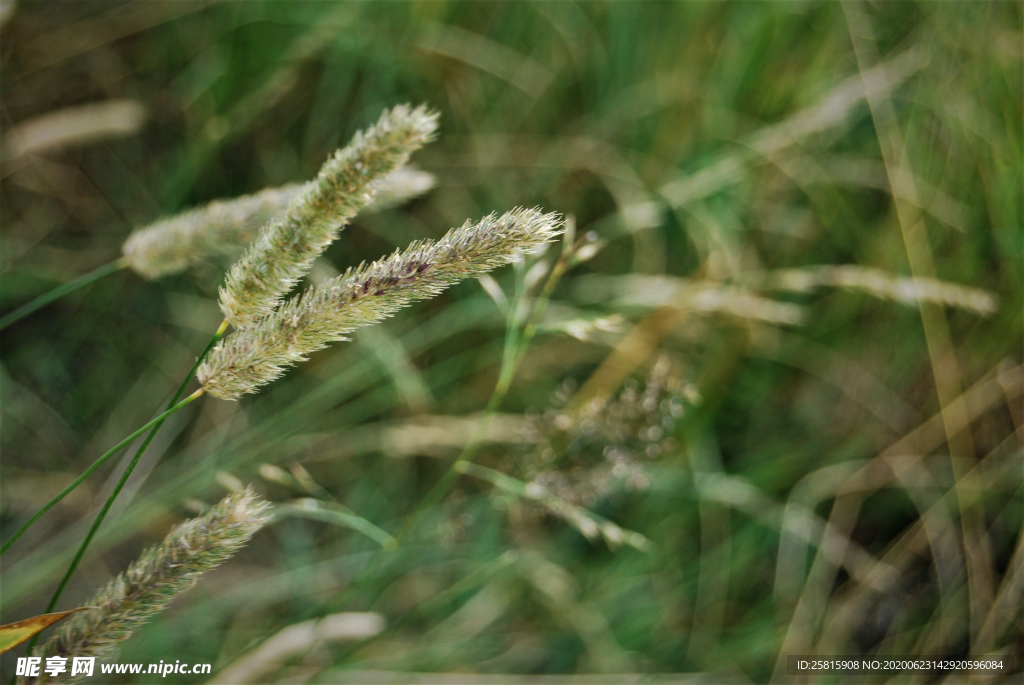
156, 578
251, 358
286, 248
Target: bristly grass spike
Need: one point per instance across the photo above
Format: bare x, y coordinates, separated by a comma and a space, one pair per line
248, 359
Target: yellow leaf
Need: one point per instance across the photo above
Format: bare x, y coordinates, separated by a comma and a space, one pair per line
13, 634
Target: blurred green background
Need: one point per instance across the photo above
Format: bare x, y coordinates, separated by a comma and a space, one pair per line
790, 454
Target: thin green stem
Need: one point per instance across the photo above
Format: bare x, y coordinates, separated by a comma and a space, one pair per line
545, 296
505, 375
60, 291
127, 473
516, 345
95, 465
436, 493
339, 516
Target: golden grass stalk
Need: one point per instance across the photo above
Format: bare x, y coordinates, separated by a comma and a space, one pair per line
73, 127
286, 248
885, 286
172, 244
250, 358
157, 577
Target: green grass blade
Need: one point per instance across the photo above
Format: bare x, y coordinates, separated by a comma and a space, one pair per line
59, 292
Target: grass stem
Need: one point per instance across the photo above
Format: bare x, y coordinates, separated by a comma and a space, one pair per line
95, 465
131, 467
60, 291
518, 337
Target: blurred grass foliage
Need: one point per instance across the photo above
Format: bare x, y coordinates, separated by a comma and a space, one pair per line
815, 471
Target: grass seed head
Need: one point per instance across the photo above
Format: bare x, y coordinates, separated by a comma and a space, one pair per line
286, 248
156, 578
172, 244
253, 357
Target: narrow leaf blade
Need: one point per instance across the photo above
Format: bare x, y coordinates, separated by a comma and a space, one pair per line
13, 634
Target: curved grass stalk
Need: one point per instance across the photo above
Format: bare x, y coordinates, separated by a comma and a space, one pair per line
338, 515
60, 291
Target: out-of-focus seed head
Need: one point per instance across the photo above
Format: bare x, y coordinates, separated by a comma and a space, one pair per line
172, 244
